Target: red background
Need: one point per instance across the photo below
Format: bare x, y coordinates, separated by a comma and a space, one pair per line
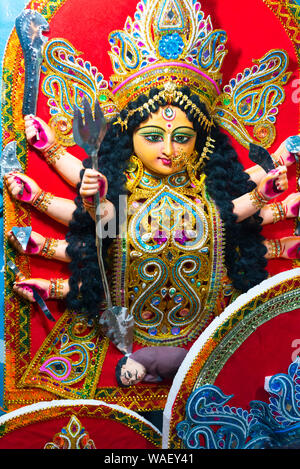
106, 434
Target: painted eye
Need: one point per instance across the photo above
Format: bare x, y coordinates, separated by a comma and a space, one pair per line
181, 138
154, 138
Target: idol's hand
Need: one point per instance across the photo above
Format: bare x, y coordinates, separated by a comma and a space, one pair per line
34, 245
291, 205
283, 156
274, 183
93, 182
38, 133
24, 288
21, 187
290, 247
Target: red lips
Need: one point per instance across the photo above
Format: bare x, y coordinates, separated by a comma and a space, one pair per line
166, 161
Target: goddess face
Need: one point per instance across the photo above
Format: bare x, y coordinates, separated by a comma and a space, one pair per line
165, 141
132, 372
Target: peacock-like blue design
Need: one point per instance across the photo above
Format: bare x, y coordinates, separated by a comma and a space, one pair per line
211, 423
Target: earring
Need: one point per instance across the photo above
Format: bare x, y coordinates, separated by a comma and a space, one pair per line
195, 162
191, 166
208, 148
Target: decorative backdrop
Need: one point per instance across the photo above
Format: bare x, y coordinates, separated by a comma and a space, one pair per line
29, 344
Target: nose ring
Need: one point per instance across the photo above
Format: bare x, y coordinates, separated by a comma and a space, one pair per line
180, 158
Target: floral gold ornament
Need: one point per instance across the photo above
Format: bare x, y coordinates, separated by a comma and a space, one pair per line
169, 92
208, 148
72, 436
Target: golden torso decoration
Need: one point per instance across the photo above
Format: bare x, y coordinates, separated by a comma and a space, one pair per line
169, 265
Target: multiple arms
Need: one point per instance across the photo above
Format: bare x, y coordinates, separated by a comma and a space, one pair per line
24, 189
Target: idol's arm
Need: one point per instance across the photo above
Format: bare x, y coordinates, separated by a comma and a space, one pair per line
249, 203
67, 165
42, 138
279, 211
286, 248
39, 245
256, 173
281, 157
25, 189
56, 289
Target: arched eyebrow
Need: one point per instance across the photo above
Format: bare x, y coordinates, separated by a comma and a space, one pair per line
151, 127
185, 127
181, 128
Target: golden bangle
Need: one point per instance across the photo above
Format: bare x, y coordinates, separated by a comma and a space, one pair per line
49, 248
42, 201
257, 199
91, 205
279, 213
274, 248
53, 153
56, 289
39, 193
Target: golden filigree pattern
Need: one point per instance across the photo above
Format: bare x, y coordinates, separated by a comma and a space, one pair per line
174, 261
72, 436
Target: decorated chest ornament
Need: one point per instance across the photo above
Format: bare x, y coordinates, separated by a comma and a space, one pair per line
169, 44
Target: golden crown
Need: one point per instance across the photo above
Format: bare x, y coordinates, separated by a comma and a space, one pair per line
169, 41
169, 44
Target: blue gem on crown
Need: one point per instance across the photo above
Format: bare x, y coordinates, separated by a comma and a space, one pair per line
171, 46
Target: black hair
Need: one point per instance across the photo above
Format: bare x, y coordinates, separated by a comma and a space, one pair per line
118, 370
225, 181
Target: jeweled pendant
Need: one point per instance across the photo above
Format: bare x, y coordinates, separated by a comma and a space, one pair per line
168, 113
